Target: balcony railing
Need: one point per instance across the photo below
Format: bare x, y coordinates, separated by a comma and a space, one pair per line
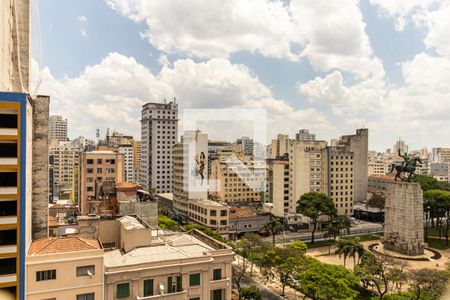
171, 296
220, 284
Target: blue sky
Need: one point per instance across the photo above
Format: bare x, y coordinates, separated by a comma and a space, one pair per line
330, 69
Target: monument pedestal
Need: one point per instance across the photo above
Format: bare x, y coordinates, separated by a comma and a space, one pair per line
403, 215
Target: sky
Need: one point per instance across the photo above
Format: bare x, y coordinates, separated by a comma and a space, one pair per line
329, 66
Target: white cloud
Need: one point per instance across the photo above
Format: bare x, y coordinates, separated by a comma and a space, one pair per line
111, 93
438, 23
82, 21
331, 34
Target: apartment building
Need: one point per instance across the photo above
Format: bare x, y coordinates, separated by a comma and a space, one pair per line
209, 213
190, 178
171, 266
279, 188
341, 179
279, 146
308, 170
136, 160
159, 130
57, 129
23, 184
128, 162
237, 179
65, 162
98, 169
378, 167
304, 135
215, 149
440, 155
65, 268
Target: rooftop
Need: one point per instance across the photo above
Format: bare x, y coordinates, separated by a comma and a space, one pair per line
125, 185
177, 246
55, 245
208, 202
238, 212
130, 223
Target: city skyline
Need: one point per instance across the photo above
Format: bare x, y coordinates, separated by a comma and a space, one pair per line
304, 76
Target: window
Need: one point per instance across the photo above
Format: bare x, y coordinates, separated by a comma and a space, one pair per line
90, 179
99, 170
148, 287
174, 286
223, 213
196, 298
213, 213
90, 170
217, 295
90, 161
86, 270
89, 296
217, 274
194, 279
123, 290
45, 275
99, 161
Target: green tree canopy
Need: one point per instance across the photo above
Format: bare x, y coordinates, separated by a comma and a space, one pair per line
428, 283
250, 293
314, 205
324, 281
376, 201
274, 226
167, 223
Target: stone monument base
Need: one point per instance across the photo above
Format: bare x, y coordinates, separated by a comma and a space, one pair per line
403, 232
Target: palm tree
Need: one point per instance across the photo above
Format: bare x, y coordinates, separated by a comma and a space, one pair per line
274, 226
343, 249
331, 230
344, 223
355, 249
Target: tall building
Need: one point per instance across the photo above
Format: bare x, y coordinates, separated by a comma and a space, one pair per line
23, 184
128, 162
215, 149
245, 145
304, 135
279, 146
308, 170
136, 160
190, 178
400, 145
279, 186
116, 139
341, 178
57, 129
65, 161
440, 155
98, 170
358, 144
159, 132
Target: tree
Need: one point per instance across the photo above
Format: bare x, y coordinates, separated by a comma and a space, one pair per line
377, 271
343, 249
428, 283
430, 183
274, 226
439, 200
167, 223
314, 205
250, 293
324, 281
331, 230
344, 224
355, 249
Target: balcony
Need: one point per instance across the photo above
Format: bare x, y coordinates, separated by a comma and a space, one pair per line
171, 296
220, 284
8, 270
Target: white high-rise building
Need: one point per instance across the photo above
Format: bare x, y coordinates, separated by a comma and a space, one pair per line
57, 128
128, 162
159, 132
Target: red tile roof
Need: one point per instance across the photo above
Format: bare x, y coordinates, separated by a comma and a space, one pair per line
52, 245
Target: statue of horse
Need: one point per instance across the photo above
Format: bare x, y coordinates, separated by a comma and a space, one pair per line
408, 166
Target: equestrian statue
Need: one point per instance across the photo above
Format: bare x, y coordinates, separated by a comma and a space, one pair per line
408, 165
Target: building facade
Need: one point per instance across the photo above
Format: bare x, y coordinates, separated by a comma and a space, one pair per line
159, 132
97, 169
57, 129
128, 162
65, 268
304, 135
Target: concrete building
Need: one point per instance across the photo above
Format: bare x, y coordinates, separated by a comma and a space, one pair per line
215, 149
190, 178
245, 145
400, 145
278, 190
304, 135
98, 169
65, 161
358, 144
169, 266
136, 160
128, 162
65, 268
23, 184
210, 214
159, 133
378, 167
341, 178
116, 139
57, 129
308, 169
244, 220
237, 179
279, 146
440, 155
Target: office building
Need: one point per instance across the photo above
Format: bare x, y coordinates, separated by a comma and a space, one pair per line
65, 268
378, 167
23, 184
159, 132
400, 145
215, 149
136, 160
440, 155
57, 129
279, 146
304, 135
245, 145
190, 178
99, 172
65, 161
169, 266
